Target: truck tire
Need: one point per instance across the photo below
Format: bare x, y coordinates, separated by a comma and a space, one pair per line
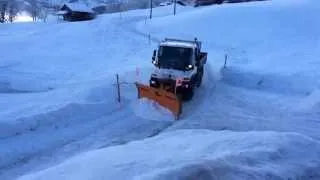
199, 78
187, 94
219, 1
199, 82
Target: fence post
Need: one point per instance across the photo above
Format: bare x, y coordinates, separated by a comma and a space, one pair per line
118, 88
175, 7
151, 6
138, 74
225, 60
149, 38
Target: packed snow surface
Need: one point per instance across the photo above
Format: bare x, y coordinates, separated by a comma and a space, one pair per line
197, 154
58, 95
143, 107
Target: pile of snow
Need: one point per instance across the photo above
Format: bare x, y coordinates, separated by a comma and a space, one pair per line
151, 110
310, 102
18, 82
197, 154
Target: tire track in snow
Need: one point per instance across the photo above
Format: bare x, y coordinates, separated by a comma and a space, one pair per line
201, 100
80, 141
203, 94
76, 112
114, 129
129, 24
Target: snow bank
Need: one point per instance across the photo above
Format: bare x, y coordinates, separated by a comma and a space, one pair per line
24, 83
293, 2
310, 102
148, 109
271, 83
197, 154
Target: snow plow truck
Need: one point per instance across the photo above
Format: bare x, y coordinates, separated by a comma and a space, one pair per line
179, 67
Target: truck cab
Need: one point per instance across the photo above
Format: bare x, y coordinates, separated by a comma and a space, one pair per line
178, 66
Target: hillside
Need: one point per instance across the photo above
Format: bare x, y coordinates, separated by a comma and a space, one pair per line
257, 118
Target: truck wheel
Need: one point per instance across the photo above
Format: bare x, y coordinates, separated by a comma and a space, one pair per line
188, 94
199, 79
219, 1
199, 82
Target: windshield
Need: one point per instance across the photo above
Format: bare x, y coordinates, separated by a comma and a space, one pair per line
174, 57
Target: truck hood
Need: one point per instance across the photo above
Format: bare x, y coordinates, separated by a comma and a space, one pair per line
172, 73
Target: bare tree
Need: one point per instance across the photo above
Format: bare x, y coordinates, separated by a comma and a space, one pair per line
13, 9
34, 8
11, 14
43, 15
3, 9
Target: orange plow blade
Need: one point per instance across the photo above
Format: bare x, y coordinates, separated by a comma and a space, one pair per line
164, 98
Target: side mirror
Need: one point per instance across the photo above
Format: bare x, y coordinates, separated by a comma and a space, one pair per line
154, 54
154, 57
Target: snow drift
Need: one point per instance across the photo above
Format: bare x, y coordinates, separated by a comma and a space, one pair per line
143, 107
197, 154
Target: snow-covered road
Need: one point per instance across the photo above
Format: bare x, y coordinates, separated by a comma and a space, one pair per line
67, 108
80, 112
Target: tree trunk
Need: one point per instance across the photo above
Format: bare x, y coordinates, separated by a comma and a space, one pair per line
3, 13
11, 14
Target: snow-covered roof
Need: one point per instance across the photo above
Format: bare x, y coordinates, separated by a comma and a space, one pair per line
79, 7
178, 43
61, 12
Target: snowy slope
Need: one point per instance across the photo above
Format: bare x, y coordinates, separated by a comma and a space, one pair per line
58, 98
55, 89
273, 49
197, 154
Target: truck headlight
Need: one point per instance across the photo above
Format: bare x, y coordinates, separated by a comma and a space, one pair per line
190, 66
